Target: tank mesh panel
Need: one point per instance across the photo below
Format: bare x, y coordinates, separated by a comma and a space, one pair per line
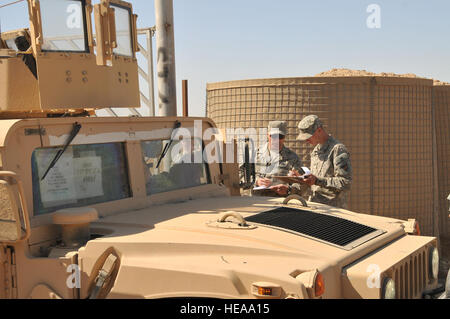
441, 99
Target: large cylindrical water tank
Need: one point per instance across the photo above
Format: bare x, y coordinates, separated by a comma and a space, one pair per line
385, 122
441, 105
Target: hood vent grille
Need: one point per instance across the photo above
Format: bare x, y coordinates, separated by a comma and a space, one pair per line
331, 229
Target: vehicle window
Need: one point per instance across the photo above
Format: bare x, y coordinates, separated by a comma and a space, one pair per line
182, 167
63, 25
123, 30
11, 44
83, 175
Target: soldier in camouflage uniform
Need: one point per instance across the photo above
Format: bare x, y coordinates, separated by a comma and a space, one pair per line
330, 164
275, 159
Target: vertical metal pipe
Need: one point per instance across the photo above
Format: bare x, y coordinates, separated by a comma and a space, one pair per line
151, 83
185, 98
165, 47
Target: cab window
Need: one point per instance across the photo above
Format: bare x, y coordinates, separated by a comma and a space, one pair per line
63, 25
181, 167
123, 30
83, 175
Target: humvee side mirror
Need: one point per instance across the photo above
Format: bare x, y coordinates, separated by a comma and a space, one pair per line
14, 220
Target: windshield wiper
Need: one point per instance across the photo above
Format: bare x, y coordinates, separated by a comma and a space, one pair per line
76, 128
166, 148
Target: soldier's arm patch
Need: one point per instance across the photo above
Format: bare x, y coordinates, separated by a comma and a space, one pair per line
342, 161
342, 168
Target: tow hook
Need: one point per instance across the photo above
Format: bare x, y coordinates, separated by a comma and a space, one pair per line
236, 215
105, 276
297, 197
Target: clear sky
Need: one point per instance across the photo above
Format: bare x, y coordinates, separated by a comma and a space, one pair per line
221, 40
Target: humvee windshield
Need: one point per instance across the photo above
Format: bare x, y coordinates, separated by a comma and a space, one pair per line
84, 175
182, 166
96, 173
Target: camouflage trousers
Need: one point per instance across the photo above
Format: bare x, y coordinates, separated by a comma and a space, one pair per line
339, 201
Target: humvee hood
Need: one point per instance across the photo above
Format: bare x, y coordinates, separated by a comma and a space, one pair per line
191, 228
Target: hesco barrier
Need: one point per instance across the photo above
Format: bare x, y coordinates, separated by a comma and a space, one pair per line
441, 103
385, 122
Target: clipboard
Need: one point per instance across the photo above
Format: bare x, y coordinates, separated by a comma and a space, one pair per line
291, 179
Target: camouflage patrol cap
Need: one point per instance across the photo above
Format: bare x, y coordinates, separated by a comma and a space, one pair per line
308, 126
277, 127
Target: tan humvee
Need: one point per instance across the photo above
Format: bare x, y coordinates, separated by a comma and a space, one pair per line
90, 208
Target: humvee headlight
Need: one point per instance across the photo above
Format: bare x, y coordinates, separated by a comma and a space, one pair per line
388, 291
433, 262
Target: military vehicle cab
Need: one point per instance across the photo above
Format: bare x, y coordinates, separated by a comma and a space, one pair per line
96, 207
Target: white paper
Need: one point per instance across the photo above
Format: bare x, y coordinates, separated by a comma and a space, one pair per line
58, 186
306, 170
259, 188
88, 176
